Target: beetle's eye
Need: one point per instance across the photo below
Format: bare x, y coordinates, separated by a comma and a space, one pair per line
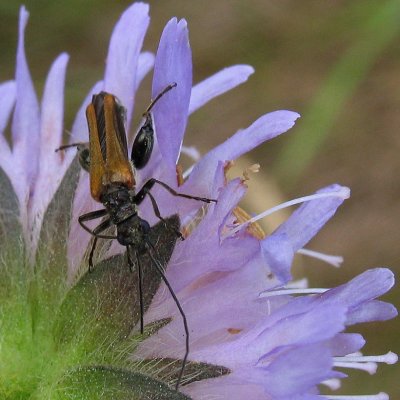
143, 144
84, 158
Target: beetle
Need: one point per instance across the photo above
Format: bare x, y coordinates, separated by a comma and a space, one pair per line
112, 183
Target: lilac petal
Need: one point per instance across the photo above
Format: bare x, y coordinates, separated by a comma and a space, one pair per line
25, 124
297, 371
346, 343
363, 288
228, 199
312, 327
79, 131
309, 218
145, 64
7, 101
217, 319
50, 172
173, 64
264, 339
53, 106
265, 128
298, 230
201, 254
374, 310
123, 54
278, 253
78, 239
233, 388
224, 387
217, 84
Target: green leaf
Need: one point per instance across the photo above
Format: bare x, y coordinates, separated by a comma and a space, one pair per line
10, 227
102, 382
168, 370
102, 309
52, 249
50, 284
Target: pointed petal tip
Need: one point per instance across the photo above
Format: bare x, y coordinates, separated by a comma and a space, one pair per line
134, 13
247, 68
147, 56
218, 84
384, 274
23, 19
178, 26
171, 24
243, 70
394, 312
137, 7
23, 12
295, 115
120, 77
62, 58
288, 115
182, 24
342, 191
373, 282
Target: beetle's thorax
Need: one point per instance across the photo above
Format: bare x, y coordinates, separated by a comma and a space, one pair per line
119, 202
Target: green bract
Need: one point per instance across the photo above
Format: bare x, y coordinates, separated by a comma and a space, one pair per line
61, 341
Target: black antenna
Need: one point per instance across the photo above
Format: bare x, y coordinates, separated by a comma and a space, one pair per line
67, 146
158, 97
178, 304
140, 276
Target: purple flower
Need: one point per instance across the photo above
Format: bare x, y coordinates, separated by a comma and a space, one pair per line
73, 334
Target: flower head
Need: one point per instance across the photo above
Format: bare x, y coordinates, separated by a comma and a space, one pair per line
70, 333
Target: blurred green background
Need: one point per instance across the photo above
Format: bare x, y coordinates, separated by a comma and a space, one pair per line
336, 63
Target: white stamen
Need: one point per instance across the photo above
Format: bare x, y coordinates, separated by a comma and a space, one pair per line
343, 193
298, 284
188, 172
388, 358
335, 261
379, 396
191, 152
333, 384
364, 363
280, 292
369, 367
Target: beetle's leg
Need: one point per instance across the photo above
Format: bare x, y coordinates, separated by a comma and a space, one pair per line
158, 215
100, 228
150, 183
94, 215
